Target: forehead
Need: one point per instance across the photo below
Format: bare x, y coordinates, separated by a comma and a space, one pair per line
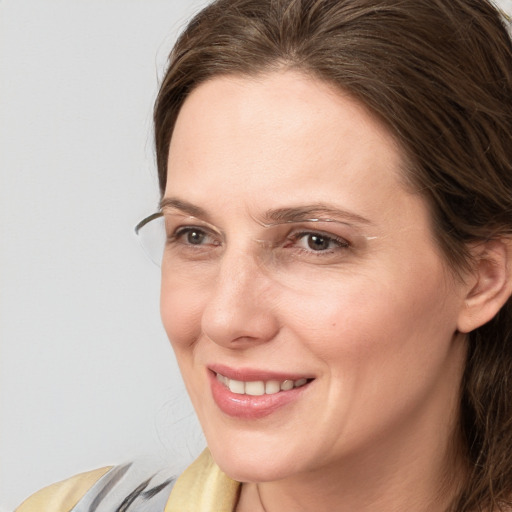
280, 136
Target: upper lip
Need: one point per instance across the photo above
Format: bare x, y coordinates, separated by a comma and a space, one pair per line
252, 374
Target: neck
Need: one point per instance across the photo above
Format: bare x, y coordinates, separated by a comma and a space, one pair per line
374, 487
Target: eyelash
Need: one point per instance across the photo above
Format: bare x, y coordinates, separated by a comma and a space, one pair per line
341, 243
183, 231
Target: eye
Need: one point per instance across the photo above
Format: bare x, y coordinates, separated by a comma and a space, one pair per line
318, 242
192, 235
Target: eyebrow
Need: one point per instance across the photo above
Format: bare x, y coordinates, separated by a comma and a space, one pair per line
186, 207
277, 215
313, 211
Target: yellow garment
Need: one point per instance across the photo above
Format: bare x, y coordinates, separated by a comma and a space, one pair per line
62, 496
203, 487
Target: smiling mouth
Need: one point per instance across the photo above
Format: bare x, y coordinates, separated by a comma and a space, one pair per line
260, 387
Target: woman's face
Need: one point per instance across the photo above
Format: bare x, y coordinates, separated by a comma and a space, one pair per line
297, 258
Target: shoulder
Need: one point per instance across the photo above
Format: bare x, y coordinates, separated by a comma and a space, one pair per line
134, 485
138, 487
62, 496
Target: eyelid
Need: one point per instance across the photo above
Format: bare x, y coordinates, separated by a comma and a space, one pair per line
299, 221
302, 233
319, 220
179, 235
191, 221
348, 230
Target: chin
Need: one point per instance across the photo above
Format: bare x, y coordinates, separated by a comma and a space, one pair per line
253, 462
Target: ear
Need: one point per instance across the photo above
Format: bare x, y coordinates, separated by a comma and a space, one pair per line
489, 285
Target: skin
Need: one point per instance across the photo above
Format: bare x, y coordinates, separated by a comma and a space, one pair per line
376, 324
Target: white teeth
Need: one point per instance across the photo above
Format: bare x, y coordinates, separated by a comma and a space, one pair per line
272, 387
236, 386
255, 388
259, 387
222, 379
286, 385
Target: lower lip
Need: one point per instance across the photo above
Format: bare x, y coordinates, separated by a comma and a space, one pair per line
248, 406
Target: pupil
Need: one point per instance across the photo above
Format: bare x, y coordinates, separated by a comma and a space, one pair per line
318, 243
195, 237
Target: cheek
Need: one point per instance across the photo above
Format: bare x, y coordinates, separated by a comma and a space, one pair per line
333, 316
375, 318
181, 309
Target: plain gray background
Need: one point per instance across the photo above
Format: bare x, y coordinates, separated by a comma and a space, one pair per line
87, 377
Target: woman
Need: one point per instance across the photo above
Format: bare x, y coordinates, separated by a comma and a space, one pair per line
336, 180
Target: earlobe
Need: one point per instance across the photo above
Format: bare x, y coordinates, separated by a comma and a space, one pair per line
489, 286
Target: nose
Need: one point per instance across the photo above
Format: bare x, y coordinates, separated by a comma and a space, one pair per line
239, 311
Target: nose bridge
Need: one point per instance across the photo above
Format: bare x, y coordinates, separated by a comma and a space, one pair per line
236, 279
237, 268
238, 308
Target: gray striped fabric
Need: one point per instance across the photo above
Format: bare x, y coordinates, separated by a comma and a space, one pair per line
128, 488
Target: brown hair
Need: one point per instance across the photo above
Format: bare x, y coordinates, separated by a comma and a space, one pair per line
439, 73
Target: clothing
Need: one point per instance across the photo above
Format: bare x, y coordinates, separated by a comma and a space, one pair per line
202, 487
